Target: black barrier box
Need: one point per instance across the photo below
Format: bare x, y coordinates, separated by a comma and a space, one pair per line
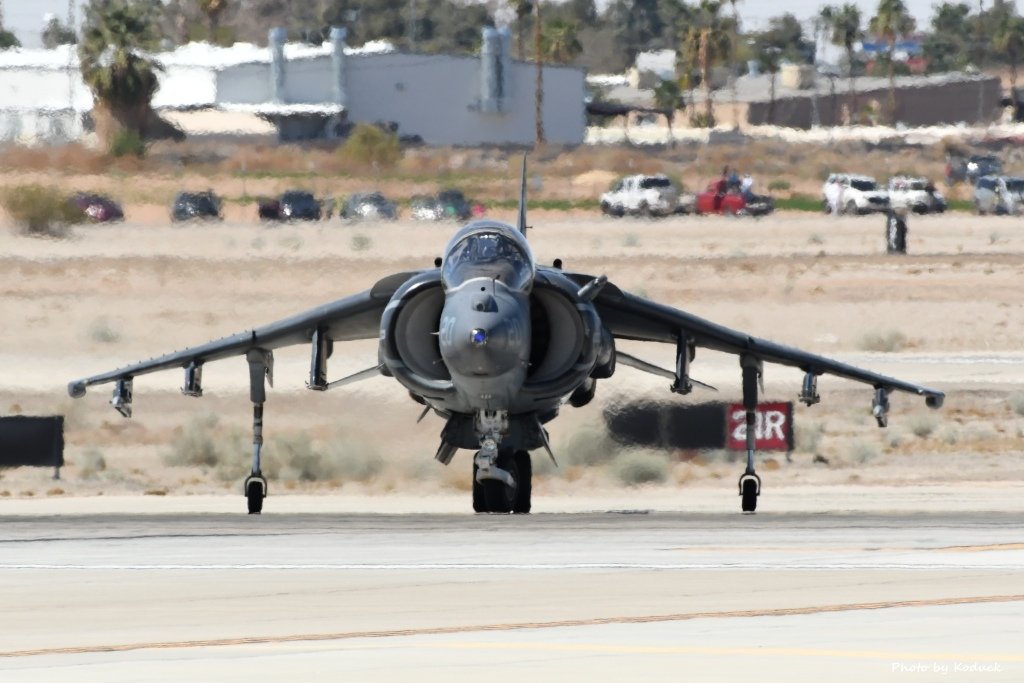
32, 441
701, 426
667, 425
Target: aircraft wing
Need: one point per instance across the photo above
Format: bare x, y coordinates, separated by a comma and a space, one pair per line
632, 317
354, 317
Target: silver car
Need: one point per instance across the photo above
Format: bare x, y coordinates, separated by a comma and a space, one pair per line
999, 195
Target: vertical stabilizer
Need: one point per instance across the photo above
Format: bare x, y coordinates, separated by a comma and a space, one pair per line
521, 223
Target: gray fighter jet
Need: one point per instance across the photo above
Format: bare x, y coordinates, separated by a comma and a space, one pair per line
495, 344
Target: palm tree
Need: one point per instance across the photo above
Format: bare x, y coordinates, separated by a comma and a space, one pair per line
523, 8
212, 9
769, 57
116, 37
845, 24
560, 42
668, 98
707, 42
822, 27
1009, 41
890, 22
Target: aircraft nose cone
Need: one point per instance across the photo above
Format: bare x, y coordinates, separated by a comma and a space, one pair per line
484, 343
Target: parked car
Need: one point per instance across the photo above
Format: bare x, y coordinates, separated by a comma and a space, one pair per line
853, 194
999, 195
368, 206
293, 205
447, 204
641, 195
191, 205
960, 168
96, 207
717, 197
915, 194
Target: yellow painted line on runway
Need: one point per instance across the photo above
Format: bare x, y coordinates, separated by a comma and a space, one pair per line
599, 648
448, 630
982, 548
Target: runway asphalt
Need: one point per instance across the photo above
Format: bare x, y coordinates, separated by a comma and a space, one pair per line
453, 597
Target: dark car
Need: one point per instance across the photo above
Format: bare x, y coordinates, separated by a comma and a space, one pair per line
368, 206
446, 205
960, 169
190, 205
293, 205
97, 208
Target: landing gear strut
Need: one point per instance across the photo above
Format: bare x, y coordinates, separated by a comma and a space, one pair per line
750, 483
255, 486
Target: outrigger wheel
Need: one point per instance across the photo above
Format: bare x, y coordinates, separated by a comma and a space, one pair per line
255, 492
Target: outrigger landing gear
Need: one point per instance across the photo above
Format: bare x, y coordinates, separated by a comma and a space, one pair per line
255, 486
750, 483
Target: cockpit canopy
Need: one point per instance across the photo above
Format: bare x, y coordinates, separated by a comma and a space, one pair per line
492, 253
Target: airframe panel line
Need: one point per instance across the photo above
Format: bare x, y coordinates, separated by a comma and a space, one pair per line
444, 630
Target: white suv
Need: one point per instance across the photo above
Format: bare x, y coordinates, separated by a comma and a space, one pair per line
915, 194
853, 194
642, 195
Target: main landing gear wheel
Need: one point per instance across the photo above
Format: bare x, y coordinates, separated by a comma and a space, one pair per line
255, 492
492, 495
750, 488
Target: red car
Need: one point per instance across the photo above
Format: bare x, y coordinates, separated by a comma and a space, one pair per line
715, 199
97, 208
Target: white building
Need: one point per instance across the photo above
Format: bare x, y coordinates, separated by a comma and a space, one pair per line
307, 91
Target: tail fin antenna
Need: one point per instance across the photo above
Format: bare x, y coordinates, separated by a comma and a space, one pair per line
521, 223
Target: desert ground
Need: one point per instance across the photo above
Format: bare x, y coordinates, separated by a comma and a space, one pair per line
948, 314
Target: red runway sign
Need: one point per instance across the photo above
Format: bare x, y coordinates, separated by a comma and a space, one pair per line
773, 427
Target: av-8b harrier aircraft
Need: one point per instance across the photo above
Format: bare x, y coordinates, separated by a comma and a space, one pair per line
495, 344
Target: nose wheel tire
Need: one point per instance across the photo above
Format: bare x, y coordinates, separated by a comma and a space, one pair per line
492, 495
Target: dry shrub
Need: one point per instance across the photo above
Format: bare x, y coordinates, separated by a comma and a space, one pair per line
888, 341
39, 210
71, 158
369, 145
294, 457
922, 425
1016, 401
92, 463
807, 436
203, 444
861, 452
635, 467
589, 447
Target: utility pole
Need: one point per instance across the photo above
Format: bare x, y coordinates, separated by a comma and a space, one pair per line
539, 139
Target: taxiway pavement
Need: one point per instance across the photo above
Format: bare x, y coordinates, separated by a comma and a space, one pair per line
450, 597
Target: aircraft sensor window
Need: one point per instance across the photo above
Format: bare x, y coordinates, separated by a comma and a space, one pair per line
488, 255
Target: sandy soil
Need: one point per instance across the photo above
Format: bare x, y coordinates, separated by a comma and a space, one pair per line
111, 295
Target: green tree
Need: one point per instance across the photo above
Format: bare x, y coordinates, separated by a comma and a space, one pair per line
1009, 44
707, 43
668, 97
946, 47
56, 33
7, 38
212, 10
844, 24
892, 21
117, 37
559, 42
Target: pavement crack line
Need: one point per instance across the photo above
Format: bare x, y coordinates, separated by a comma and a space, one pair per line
448, 630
